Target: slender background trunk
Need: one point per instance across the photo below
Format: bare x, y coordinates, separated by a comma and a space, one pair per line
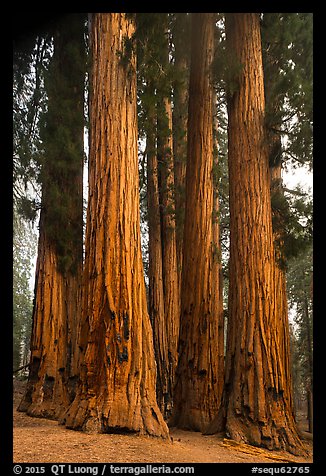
156, 288
169, 250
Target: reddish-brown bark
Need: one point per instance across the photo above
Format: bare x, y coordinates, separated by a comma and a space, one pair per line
199, 376
54, 358
118, 377
256, 403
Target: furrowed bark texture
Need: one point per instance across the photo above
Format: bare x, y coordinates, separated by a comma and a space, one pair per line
169, 250
256, 406
118, 377
54, 352
198, 377
54, 363
280, 286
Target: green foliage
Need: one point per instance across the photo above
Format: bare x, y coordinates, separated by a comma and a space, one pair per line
221, 178
27, 208
61, 132
287, 57
226, 66
48, 130
152, 41
292, 223
29, 103
155, 72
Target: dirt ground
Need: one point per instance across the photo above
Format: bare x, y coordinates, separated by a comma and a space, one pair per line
40, 440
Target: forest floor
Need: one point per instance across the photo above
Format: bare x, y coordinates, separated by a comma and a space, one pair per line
39, 440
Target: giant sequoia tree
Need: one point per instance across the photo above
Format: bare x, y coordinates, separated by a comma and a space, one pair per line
97, 363
256, 405
288, 99
199, 374
54, 350
118, 375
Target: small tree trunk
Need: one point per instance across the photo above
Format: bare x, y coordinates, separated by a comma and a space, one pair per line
118, 377
156, 290
169, 250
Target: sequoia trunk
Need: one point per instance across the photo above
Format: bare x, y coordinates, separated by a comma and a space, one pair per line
198, 377
118, 377
54, 350
256, 406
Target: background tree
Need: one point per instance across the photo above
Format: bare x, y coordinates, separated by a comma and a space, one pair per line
118, 377
24, 244
167, 209
300, 297
199, 377
30, 60
180, 28
287, 60
255, 406
288, 92
155, 271
287, 56
153, 35
54, 351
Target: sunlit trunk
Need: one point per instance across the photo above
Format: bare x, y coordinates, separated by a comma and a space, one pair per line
118, 377
256, 404
199, 377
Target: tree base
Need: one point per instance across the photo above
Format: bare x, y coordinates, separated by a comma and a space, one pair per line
265, 435
37, 402
89, 415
